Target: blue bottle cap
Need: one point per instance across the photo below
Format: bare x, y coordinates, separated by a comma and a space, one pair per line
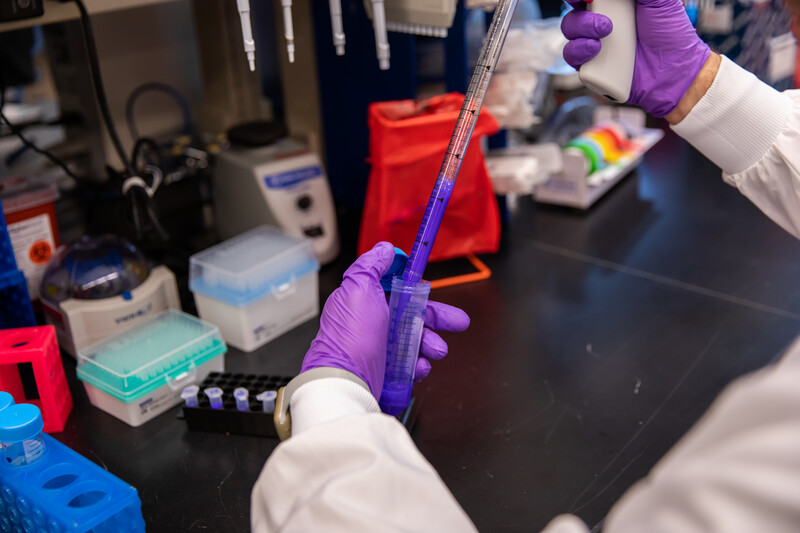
20, 422
5, 400
398, 265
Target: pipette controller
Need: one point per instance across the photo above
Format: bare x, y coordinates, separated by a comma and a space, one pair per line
407, 312
247, 33
610, 72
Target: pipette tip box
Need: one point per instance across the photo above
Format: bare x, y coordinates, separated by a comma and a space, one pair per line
228, 419
65, 492
256, 286
139, 373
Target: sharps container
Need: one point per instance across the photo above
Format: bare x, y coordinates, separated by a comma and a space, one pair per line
256, 286
407, 306
30, 211
21, 434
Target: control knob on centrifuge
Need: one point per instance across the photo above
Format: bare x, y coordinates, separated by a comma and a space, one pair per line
304, 202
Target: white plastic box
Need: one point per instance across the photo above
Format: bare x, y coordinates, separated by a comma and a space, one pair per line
256, 286
140, 373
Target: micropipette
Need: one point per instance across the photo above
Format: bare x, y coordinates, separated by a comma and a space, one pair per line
288, 28
478, 85
247, 33
337, 27
381, 39
407, 307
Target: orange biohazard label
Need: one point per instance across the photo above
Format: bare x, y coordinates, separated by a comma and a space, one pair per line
40, 252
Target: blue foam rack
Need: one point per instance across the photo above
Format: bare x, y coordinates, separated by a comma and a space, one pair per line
64, 492
7, 262
15, 303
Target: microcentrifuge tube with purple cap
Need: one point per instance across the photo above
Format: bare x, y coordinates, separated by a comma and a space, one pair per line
214, 397
189, 395
241, 394
267, 399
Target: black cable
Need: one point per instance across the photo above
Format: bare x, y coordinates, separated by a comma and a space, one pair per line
158, 87
145, 147
100, 94
16, 131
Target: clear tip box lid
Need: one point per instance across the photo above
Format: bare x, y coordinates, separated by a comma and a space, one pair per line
166, 347
251, 265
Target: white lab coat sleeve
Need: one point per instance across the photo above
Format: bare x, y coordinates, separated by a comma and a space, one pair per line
349, 468
752, 132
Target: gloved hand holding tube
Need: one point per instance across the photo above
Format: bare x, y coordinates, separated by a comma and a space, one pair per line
669, 54
355, 321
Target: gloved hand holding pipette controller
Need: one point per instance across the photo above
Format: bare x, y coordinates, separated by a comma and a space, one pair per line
645, 53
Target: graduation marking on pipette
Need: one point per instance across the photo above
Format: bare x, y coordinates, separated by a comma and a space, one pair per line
459, 141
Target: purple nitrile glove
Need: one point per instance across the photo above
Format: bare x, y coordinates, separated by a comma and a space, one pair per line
354, 324
669, 54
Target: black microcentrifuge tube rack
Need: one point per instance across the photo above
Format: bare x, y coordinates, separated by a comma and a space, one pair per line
255, 421
228, 419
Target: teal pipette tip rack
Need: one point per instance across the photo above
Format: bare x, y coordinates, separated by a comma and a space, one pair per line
157, 351
63, 492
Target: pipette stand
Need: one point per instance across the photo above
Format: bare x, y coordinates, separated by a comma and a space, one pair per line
38, 347
65, 492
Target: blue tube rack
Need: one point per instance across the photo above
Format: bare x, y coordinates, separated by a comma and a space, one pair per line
64, 492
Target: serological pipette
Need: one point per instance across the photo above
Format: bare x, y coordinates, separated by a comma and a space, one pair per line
462, 133
407, 304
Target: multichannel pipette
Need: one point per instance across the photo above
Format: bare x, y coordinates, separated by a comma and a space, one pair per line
337, 27
247, 33
407, 307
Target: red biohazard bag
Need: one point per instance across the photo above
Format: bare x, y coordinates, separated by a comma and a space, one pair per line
408, 140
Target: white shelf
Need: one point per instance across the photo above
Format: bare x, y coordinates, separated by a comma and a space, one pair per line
55, 11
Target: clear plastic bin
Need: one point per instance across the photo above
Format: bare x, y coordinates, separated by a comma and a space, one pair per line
256, 286
141, 372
